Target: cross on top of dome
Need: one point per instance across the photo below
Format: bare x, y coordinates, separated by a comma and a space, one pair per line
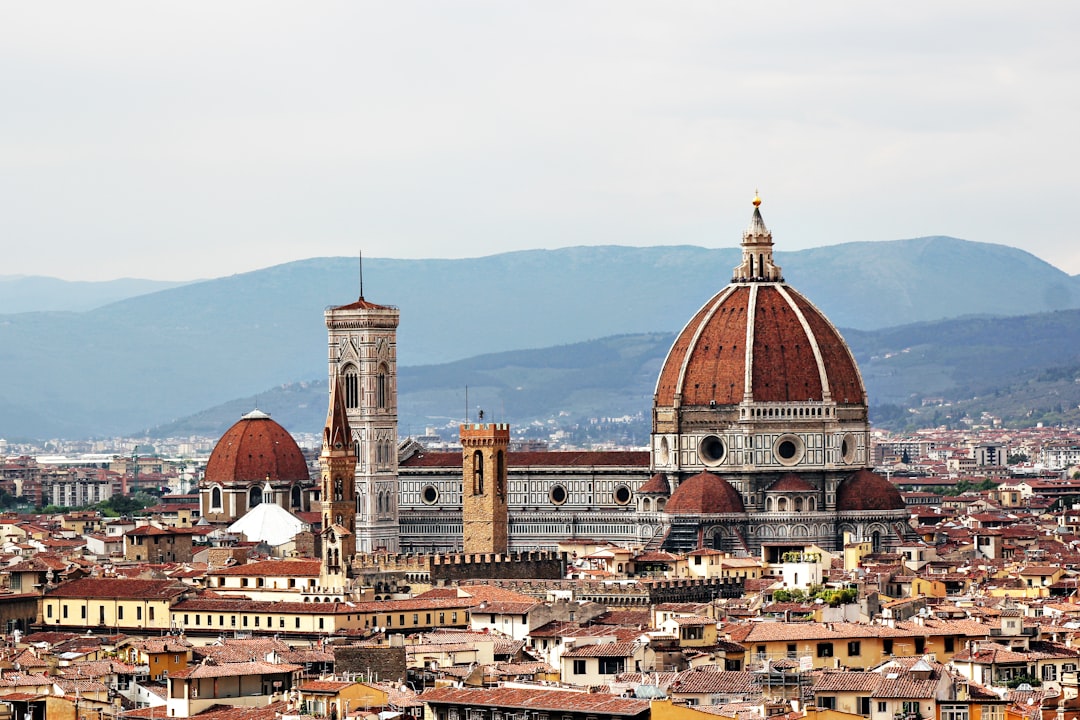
757, 246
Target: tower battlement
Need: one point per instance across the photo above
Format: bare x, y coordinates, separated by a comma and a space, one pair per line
478, 433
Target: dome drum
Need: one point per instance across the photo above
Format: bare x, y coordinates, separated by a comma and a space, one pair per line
735, 451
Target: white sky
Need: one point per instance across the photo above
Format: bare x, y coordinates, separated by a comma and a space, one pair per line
198, 139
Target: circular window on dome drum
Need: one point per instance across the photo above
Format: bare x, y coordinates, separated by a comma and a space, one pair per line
789, 449
847, 449
430, 495
557, 494
712, 450
622, 495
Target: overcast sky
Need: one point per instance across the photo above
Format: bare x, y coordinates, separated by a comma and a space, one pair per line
199, 139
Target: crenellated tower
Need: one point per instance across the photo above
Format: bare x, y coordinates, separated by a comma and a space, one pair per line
338, 492
362, 353
484, 513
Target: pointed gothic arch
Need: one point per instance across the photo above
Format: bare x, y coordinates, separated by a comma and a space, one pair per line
352, 386
382, 389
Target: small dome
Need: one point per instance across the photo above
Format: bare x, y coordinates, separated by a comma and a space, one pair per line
791, 483
656, 485
704, 494
255, 449
866, 490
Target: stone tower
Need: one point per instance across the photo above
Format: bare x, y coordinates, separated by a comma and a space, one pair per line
484, 517
338, 490
362, 343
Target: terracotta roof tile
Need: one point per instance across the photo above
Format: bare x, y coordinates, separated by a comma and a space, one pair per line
538, 699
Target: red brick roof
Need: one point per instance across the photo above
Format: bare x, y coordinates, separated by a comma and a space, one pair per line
791, 483
362, 304
866, 490
538, 699
93, 588
657, 484
254, 449
273, 568
704, 494
608, 649
232, 669
708, 359
330, 608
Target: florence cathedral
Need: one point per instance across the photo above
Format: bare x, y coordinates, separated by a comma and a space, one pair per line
760, 437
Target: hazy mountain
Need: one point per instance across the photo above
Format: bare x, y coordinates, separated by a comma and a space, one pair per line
146, 360
1023, 369
33, 293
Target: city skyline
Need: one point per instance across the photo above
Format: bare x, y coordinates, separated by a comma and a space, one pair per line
198, 141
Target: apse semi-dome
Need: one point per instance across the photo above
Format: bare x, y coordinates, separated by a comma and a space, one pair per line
791, 483
866, 490
704, 494
256, 448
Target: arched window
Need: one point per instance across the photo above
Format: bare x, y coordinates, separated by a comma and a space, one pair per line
781, 505
768, 504
352, 387
478, 473
798, 504
295, 500
254, 496
811, 504
356, 447
215, 498
380, 387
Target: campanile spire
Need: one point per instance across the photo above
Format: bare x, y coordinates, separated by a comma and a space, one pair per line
757, 248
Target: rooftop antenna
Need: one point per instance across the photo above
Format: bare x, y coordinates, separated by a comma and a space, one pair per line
361, 274
466, 404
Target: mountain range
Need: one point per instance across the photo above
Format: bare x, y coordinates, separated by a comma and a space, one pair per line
153, 359
1022, 370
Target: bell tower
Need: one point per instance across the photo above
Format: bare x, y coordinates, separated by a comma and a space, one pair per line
362, 352
338, 489
484, 516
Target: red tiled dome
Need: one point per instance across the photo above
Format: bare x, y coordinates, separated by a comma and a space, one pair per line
708, 360
656, 485
792, 483
254, 449
866, 490
704, 494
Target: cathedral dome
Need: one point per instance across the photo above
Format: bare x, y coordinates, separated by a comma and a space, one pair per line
704, 494
256, 448
758, 340
866, 490
763, 342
